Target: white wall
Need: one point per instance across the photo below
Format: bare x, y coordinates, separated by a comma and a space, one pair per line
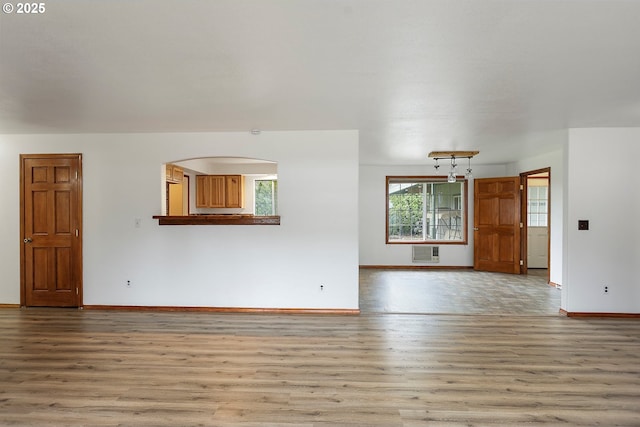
606, 254
217, 266
373, 249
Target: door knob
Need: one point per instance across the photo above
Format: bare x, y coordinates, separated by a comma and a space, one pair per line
475, 229
28, 240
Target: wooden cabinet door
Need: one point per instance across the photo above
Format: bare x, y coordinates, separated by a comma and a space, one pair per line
219, 191
177, 174
216, 191
210, 191
174, 173
234, 191
202, 191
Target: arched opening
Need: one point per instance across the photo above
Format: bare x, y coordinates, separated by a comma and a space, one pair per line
220, 186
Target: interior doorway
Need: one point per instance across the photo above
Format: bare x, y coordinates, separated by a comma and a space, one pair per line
536, 214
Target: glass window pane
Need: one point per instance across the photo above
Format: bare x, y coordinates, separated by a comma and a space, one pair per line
266, 197
425, 210
537, 206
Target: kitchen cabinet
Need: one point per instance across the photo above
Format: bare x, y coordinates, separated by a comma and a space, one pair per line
219, 191
175, 174
234, 191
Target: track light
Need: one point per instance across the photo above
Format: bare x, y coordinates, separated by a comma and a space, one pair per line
453, 155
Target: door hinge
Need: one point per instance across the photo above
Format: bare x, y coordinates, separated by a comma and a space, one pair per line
77, 232
521, 262
77, 291
521, 187
76, 174
521, 225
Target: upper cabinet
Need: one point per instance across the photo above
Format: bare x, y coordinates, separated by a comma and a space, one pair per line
175, 174
234, 191
219, 191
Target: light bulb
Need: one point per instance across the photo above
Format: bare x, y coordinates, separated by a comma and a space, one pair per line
452, 177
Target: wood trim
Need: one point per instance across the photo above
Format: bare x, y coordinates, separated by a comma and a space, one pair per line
417, 267
579, 314
312, 311
23, 288
555, 285
9, 306
230, 219
524, 219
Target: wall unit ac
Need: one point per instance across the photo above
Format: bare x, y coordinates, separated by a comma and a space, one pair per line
425, 254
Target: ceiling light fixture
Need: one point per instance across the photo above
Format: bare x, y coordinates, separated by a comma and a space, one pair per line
453, 155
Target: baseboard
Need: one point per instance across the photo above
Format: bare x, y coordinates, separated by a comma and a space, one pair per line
592, 315
9, 305
316, 311
417, 267
555, 285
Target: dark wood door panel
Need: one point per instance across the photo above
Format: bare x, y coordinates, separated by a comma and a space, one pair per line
508, 212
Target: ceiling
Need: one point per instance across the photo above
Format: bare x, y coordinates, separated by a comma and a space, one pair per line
498, 76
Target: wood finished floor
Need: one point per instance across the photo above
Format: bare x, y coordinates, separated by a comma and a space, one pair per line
106, 368
457, 292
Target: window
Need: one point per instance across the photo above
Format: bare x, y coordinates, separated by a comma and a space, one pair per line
426, 210
266, 197
537, 206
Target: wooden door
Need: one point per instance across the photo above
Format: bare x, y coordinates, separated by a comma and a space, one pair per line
497, 224
51, 229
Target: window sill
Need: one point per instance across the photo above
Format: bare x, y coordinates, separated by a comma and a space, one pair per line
221, 219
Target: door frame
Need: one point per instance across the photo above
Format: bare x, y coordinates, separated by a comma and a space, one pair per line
524, 240
79, 266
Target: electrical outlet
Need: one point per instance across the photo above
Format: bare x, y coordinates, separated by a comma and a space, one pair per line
322, 287
128, 283
606, 289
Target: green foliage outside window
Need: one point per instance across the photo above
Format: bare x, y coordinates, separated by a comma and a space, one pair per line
266, 197
405, 215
